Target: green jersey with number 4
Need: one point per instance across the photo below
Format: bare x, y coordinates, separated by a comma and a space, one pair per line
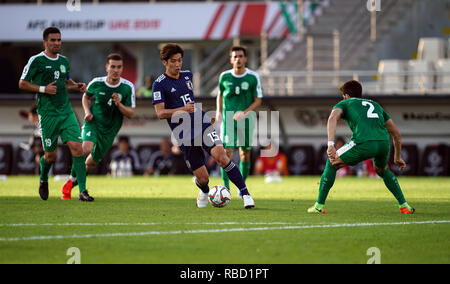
365, 118
42, 70
239, 91
107, 116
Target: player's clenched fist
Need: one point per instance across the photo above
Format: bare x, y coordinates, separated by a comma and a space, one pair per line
190, 107
116, 98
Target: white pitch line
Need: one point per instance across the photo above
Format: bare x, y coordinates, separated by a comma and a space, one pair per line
179, 232
143, 224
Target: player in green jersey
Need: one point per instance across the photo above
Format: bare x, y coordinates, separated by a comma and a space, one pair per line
240, 94
371, 127
114, 99
47, 74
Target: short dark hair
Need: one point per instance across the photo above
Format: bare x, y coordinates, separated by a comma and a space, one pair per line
237, 48
170, 49
352, 88
124, 139
113, 56
50, 30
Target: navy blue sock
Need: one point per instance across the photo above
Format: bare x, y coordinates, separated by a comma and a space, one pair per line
236, 177
203, 188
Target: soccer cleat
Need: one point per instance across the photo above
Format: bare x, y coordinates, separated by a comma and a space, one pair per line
43, 190
67, 190
406, 209
317, 208
202, 199
248, 201
84, 196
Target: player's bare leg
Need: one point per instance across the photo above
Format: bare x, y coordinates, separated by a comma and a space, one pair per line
219, 154
202, 180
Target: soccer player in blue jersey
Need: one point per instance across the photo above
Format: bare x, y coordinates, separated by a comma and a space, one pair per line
173, 99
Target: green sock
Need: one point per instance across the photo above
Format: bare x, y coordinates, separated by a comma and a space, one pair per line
326, 182
73, 173
45, 168
80, 171
225, 179
244, 167
391, 183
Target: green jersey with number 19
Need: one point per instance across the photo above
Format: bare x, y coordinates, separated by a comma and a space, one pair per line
42, 70
107, 116
365, 118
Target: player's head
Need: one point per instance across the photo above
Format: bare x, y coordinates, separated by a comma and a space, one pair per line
114, 66
238, 56
52, 40
124, 144
351, 89
171, 55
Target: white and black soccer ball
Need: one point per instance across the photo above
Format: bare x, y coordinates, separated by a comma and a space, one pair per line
219, 196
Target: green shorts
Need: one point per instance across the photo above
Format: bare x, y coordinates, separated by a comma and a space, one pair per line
102, 141
238, 134
378, 150
52, 127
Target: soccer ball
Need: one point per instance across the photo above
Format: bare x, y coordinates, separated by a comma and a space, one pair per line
219, 196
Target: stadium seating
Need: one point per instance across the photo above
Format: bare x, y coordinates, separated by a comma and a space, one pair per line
419, 83
443, 80
431, 49
6, 153
144, 152
391, 84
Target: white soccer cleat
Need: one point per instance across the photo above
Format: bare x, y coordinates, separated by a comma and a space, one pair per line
202, 199
248, 201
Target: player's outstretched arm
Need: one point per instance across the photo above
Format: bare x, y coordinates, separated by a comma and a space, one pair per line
397, 140
71, 85
163, 113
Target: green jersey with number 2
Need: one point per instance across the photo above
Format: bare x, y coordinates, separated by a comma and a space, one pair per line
365, 118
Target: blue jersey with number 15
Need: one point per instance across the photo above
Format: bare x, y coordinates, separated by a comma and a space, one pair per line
176, 93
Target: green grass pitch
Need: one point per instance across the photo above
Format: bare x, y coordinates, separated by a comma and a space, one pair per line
155, 220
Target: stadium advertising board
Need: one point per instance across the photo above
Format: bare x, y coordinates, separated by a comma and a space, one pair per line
142, 22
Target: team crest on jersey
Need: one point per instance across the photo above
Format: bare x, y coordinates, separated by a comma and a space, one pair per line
190, 85
62, 68
245, 85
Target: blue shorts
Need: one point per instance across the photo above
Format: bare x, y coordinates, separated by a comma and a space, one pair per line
194, 154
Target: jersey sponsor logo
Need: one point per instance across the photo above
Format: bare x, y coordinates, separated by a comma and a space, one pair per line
157, 96
245, 85
173, 90
48, 67
101, 93
190, 85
